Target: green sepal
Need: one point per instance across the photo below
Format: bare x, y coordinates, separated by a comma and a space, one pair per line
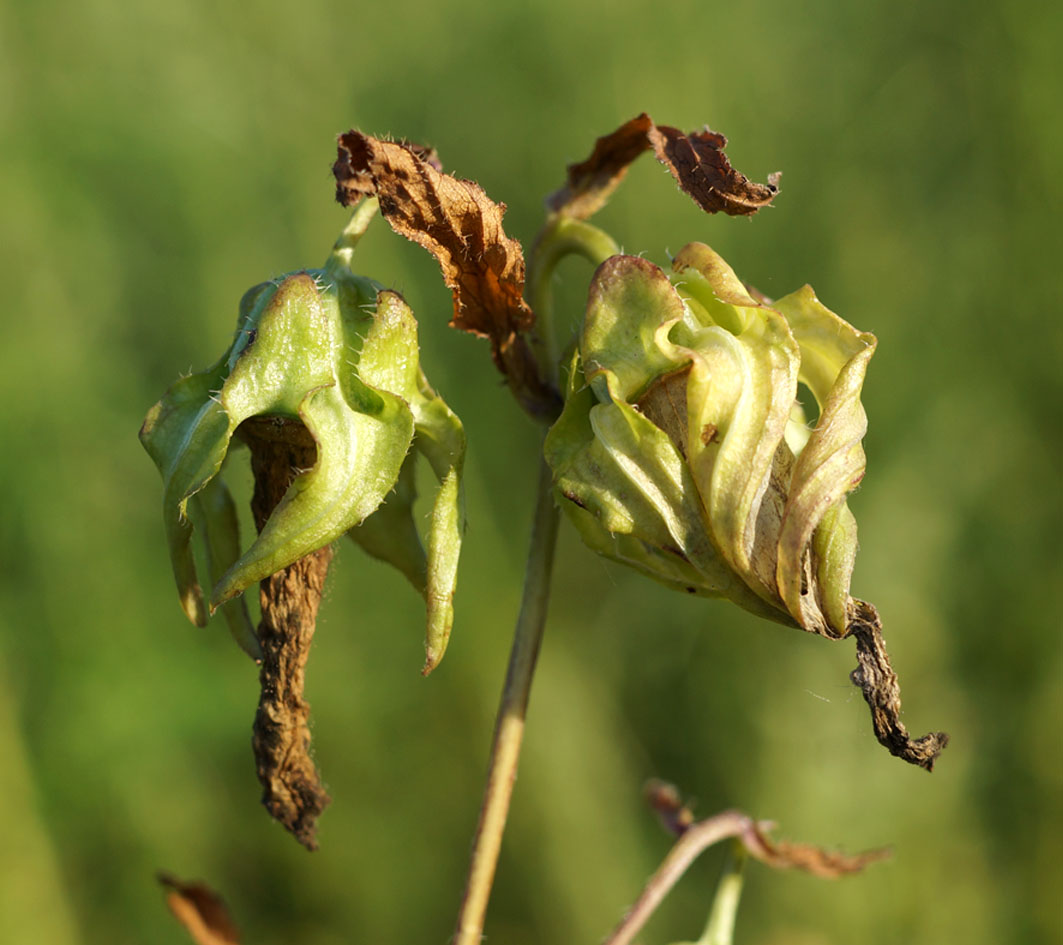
186, 434
332, 350
389, 360
214, 513
358, 461
288, 362
390, 533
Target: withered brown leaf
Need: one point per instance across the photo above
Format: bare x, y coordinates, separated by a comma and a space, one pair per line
678, 818
200, 910
697, 162
462, 228
826, 864
696, 836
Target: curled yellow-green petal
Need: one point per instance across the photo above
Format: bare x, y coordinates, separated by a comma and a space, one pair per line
681, 449
741, 391
834, 360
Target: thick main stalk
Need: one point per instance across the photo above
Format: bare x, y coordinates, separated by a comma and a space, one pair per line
509, 726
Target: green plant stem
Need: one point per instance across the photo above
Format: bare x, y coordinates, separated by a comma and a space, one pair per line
688, 847
509, 726
343, 250
721, 925
560, 237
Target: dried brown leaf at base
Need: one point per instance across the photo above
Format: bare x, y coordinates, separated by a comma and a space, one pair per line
696, 161
201, 911
462, 228
882, 692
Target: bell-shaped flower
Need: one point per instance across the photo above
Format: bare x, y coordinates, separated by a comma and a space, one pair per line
339, 354
683, 450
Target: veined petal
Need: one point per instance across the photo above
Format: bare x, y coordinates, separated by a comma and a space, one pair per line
834, 362
688, 442
651, 468
834, 551
741, 389
826, 340
587, 472
632, 496
630, 300
668, 567
703, 274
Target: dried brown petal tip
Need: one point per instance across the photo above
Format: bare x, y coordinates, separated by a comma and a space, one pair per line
696, 161
826, 864
875, 677
462, 228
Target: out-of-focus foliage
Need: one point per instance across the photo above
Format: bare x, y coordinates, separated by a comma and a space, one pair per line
160, 158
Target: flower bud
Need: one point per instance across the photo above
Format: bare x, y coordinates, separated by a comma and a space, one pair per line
682, 449
339, 354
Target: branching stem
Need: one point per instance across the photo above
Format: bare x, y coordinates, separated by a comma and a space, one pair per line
560, 237
750, 839
509, 726
697, 838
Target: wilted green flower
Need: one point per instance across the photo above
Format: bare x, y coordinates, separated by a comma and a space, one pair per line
338, 353
683, 450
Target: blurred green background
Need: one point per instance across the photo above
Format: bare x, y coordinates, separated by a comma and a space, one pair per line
158, 159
